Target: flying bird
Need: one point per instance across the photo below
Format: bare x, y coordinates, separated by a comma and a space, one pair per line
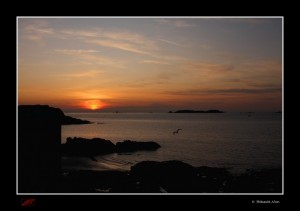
93, 159
176, 131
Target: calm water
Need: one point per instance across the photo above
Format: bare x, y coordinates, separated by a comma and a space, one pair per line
231, 140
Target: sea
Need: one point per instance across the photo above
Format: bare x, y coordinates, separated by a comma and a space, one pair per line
236, 141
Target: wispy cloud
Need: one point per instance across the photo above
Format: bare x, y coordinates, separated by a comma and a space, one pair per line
132, 37
226, 91
231, 79
75, 51
180, 23
105, 34
37, 31
207, 66
88, 94
87, 73
90, 57
173, 43
119, 45
244, 70
120, 39
102, 61
77, 34
155, 62
251, 21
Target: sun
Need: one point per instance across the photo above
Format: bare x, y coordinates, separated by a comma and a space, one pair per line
93, 104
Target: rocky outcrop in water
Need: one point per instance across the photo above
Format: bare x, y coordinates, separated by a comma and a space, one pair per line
97, 146
131, 146
67, 120
87, 147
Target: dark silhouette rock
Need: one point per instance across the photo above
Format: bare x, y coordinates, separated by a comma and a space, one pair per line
39, 113
253, 181
67, 120
39, 159
211, 179
152, 169
87, 147
34, 112
87, 181
176, 176
39, 147
172, 177
97, 146
131, 146
193, 111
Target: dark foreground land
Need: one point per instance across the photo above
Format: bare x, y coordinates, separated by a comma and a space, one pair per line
39, 164
171, 177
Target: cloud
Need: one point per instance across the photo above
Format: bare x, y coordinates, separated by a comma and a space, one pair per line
179, 23
126, 41
75, 51
119, 45
207, 66
155, 62
173, 43
132, 37
207, 79
37, 31
90, 57
88, 73
251, 21
69, 33
88, 94
187, 22
102, 61
120, 39
226, 91
118, 35
262, 72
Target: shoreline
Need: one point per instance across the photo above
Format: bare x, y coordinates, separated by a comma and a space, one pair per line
171, 177
107, 162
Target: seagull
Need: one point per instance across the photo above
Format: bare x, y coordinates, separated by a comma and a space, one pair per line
93, 159
176, 131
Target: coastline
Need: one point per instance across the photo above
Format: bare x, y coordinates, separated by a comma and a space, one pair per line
171, 177
38, 123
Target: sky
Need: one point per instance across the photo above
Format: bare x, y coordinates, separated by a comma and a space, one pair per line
151, 64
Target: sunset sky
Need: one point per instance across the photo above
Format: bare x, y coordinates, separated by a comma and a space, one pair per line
151, 64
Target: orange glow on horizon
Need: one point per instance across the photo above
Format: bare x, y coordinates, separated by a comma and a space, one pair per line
93, 105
